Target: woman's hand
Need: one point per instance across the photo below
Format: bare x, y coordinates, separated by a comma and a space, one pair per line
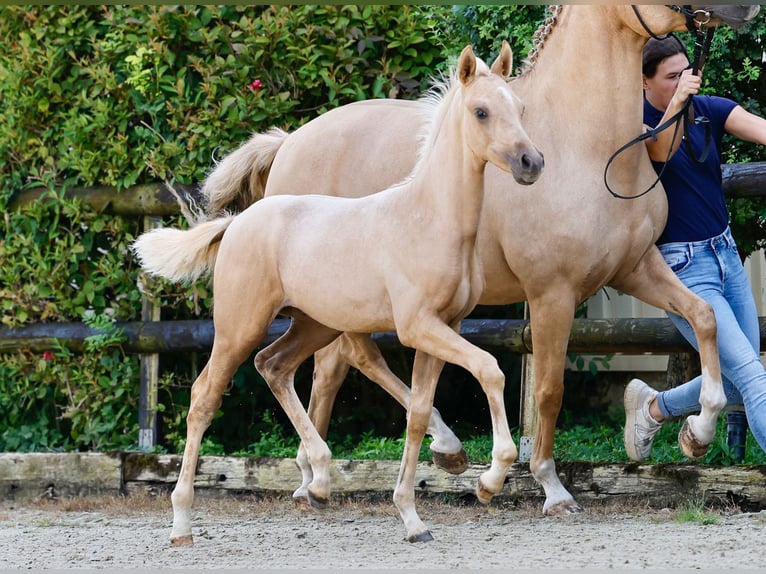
688, 85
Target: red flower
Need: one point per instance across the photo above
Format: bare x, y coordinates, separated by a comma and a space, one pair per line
48, 356
255, 86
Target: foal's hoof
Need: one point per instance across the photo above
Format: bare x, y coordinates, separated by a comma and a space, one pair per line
186, 540
424, 536
483, 494
318, 502
689, 443
452, 462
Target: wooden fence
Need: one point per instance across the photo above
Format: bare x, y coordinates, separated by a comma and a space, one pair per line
32, 476
151, 336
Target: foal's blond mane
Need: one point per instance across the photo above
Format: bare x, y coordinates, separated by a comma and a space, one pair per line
436, 101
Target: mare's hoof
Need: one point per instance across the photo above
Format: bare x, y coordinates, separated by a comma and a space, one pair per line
690, 445
424, 536
186, 540
317, 501
302, 502
563, 508
452, 462
483, 494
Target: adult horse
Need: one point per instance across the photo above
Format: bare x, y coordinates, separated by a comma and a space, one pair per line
582, 90
400, 259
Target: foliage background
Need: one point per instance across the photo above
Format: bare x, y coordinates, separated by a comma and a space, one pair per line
124, 95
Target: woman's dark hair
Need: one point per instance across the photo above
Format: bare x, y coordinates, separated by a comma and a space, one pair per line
657, 50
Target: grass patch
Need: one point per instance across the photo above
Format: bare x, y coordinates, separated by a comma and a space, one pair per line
596, 440
693, 510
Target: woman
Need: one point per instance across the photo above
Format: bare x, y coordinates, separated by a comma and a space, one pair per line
698, 245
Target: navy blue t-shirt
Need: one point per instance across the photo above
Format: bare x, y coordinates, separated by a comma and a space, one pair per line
696, 206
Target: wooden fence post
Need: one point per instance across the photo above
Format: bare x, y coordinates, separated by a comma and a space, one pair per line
528, 406
150, 370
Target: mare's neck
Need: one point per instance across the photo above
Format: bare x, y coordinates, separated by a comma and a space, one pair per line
587, 79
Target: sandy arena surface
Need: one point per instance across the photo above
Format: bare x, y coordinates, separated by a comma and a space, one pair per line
246, 533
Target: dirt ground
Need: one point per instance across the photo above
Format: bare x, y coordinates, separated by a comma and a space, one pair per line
250, 534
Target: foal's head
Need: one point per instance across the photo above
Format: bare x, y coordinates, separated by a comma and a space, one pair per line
493, 116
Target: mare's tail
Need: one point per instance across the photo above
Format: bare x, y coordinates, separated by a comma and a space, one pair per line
180, 255
239, 180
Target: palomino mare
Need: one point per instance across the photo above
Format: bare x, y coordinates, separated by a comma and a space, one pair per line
582, 90
400, 259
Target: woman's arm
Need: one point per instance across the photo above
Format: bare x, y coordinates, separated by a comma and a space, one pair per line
746, 126
660, 149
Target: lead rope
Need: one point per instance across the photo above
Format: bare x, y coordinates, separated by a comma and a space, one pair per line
701, 48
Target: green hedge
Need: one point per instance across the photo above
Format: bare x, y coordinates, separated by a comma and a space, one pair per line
114, 95
123, 95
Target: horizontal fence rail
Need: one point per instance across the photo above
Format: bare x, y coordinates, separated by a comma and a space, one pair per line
631, 336
151, 337
155, 199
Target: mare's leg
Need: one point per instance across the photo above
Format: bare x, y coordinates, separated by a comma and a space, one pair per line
228, 353
331, 365
654, 282
278, 363
361, 352
551, 317
430, 335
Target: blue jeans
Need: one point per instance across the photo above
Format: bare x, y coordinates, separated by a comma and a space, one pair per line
714, 271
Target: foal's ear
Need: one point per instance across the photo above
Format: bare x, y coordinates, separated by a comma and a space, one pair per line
466, 65
504, 62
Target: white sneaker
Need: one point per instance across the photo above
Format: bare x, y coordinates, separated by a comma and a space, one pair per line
640, 426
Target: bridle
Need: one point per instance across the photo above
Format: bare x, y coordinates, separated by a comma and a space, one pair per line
696, 21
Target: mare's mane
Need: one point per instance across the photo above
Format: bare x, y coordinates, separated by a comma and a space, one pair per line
539, 37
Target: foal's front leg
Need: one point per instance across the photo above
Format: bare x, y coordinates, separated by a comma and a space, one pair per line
655, 283
425, 375
432, 337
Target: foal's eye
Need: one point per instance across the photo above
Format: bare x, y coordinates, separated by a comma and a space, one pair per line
480, 113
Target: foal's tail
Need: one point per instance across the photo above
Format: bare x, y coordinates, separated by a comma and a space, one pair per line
180, 255
239, 180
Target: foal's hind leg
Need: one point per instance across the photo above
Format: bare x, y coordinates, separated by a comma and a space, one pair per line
206, 392
330, 370
278, 363
654, 282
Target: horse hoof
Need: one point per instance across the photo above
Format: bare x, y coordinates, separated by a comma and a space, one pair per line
186, 540
302, 502
483, 494
689, 443
451, 462
424, 536
318, 502
563, 508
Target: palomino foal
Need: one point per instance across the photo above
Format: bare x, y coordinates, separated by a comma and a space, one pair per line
400, 259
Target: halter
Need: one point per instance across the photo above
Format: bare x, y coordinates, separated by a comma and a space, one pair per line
696, 20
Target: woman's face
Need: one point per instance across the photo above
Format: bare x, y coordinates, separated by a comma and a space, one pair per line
660, 88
